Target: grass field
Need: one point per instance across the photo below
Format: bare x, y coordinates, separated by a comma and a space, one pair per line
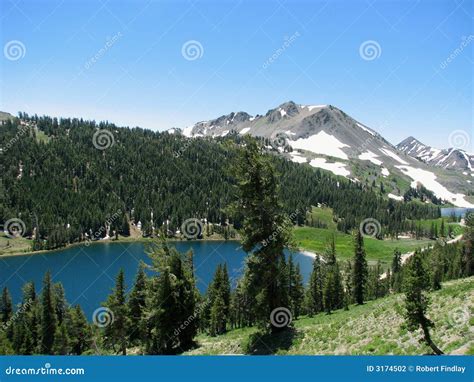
322, 214
316, 239
375, 328
17, 245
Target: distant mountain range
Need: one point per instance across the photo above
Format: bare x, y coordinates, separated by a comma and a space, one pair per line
452, 158
326, 137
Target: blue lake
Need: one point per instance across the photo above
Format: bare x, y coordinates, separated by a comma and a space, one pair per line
458, 211
88, 273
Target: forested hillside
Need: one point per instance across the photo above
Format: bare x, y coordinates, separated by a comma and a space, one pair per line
69, 177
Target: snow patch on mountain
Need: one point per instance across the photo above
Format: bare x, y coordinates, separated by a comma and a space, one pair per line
428, 179
366, 129
337, 168
295, 157
392, 155
370, 156
321, 143
395, 197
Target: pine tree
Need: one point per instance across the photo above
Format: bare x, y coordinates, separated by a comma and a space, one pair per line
396, 273
265, 231
296, 289
416, 284
48, 317
360, 270
60, 304
6, 312
136, 304
315, 289
80, 335
61, 340
116, 332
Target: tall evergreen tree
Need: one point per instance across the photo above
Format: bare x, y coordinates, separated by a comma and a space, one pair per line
360, 272
315, 289
136, 305
48, 317
416, 284
116, 332
265, 231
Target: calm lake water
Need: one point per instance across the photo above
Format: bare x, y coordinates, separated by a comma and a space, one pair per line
88, 273
458, 211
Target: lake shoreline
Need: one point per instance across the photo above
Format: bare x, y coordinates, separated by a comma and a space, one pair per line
123, 240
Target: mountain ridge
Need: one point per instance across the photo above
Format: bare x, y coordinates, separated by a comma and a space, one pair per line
326, 137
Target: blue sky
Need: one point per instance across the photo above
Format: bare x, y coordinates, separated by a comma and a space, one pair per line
123, 61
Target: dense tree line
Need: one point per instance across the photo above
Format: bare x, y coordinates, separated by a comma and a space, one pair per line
66, 190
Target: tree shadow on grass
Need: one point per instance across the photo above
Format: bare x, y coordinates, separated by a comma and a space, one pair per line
261, 343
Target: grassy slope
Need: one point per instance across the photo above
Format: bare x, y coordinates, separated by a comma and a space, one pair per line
374, 328
316, 239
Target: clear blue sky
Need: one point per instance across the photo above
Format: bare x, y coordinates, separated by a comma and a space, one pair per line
143, 79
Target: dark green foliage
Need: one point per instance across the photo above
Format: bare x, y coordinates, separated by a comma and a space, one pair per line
265, 232
48, 317
218, 301
333, 292
116, 332
136, 305
295, 288
360, 271
315, 302
416, 284
170, 317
